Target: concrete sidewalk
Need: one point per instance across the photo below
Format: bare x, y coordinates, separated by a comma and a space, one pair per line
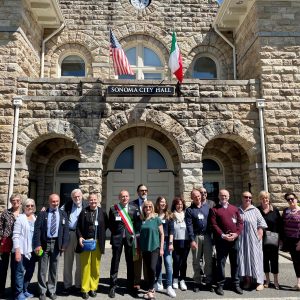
287, 279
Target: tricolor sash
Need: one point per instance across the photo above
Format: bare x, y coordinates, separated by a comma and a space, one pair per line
129, 226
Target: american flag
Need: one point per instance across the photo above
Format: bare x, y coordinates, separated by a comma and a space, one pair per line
121, 64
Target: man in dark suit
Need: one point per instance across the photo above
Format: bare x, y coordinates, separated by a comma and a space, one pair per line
122, 216
142, 192
51, 234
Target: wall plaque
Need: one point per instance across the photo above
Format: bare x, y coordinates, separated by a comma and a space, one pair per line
140, 90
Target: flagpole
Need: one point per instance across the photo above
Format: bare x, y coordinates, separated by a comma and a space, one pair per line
109, 52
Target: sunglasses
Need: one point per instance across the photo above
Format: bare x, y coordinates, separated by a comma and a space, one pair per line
146, 206
247, 197
30, 205
203, 193
290, 199
143, 191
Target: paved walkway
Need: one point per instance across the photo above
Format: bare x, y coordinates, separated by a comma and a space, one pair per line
286, 279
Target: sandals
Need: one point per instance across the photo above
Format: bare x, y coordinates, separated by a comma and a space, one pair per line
266, 284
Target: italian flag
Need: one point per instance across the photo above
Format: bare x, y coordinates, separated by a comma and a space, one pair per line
175, 60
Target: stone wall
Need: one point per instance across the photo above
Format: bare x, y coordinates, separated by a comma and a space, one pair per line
20, 39
274, 41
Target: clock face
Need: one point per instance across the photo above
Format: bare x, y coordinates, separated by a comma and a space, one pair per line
140, 4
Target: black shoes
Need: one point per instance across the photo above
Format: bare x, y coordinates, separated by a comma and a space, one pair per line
93, 294
210, 288
84, 295
66, 292
238, 290
52, 296
196, 288
112, 292
219, 291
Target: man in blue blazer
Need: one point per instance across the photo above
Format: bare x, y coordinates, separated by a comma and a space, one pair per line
50, 238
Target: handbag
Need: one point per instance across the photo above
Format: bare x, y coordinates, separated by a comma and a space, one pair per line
90, 245
6, 244
271, 238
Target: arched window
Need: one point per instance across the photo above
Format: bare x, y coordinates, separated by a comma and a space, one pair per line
73, 65
145, 63
70, 165
126, 159
155, 159
205, 68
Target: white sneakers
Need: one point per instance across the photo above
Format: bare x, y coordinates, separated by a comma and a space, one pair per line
175, 283
158, 286
171, 292
182, 285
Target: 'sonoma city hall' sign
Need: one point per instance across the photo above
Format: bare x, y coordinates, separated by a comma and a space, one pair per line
140, 90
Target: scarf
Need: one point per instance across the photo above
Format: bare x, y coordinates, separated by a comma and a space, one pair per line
179, 216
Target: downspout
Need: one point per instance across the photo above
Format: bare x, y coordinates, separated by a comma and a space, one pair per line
43, 46
260, 104
17, 102
231, 45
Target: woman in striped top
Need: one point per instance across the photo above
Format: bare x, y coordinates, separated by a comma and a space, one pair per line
291, 229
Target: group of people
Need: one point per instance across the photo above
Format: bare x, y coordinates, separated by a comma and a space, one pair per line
151, 235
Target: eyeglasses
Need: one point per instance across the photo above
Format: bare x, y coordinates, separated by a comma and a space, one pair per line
203, 193
143, 191
148, 206
30, 205
290, 199
247, 197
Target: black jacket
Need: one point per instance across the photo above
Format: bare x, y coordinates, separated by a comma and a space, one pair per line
68, 206
117, 226
81, 229
40, 230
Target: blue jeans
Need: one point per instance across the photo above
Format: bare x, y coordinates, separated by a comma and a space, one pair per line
23, 280
168, 266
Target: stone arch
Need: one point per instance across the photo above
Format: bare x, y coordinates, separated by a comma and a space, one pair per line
70, 49
150, 118
82, 42
237, 145
235, 130
211, 51
36, 133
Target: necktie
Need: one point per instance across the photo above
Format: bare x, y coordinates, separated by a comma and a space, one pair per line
53, 223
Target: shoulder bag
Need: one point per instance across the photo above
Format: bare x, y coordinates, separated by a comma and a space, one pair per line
271, 238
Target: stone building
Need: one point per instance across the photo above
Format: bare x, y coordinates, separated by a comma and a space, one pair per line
68, 121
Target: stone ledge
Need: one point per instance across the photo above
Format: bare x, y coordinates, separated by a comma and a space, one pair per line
283, 165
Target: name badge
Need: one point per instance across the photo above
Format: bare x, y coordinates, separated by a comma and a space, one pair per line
63, 221
234, 220
200, 216
137, 213
182, 225
118, 218
96, 223
143, 222
163, 221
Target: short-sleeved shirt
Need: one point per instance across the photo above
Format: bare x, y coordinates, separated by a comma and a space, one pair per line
149, 235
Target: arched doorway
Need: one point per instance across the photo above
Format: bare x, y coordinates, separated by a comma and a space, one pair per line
53, 166
140, 160
226, 165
